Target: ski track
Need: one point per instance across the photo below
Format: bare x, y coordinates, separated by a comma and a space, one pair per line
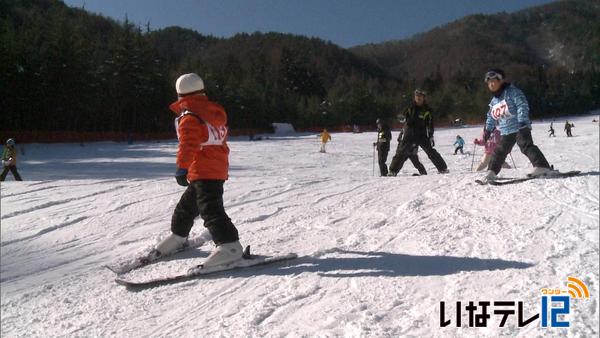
377, 255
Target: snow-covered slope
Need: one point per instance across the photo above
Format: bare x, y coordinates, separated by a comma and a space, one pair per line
377, 254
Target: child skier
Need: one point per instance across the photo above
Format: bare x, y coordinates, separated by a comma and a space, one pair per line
325, 137
489, 148
510, 110
459, 143
551, 130
9, 161
202, 166
384, 138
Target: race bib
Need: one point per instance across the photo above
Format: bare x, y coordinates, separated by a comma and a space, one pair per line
500, 110
216, 135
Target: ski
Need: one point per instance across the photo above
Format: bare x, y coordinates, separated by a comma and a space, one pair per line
198, 272
523, 179
152, 256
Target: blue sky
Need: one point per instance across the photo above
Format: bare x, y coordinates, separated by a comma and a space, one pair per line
344, 22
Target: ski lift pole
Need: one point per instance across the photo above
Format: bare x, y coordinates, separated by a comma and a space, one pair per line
473, 159
513, 161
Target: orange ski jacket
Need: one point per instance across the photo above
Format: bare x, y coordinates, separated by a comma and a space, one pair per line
202, 132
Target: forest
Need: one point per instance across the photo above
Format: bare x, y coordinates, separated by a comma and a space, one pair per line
67, 71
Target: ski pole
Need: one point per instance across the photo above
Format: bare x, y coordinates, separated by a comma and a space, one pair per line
373, 160
473, 159
513, 161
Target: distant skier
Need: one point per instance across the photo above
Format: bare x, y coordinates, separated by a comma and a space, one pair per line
568, 127
551, 130
418, 131
202, 166
9, 161
510, 110
459, 143
384, 138
489, 148
325, 137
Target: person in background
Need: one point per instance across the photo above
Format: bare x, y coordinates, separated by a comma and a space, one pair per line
202, 167
568, 127
384, 138
459, 143
551, 130
489, 148
325, 137
418, 131
509, 109
406, 150
9, 161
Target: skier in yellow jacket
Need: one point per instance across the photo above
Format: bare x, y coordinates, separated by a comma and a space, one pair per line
9, 161
325, 137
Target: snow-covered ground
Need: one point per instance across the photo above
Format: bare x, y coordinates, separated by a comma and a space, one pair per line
377, 254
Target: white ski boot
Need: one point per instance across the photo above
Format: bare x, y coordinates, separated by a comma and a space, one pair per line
541, 171
490, 175
171, 244
224, 254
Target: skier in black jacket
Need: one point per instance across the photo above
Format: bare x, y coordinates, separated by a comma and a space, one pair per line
418, 132
384, 137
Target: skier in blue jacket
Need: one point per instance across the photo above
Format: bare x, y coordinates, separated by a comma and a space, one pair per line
459, 143
510, 111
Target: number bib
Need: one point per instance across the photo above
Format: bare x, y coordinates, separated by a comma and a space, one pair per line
500, 110
216, 135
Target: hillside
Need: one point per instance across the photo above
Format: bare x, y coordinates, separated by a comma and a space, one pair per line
262, 78
542, 49
73, 63
68, 72
561, 35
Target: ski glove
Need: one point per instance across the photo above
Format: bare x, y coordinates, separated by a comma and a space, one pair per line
432, 141
181, 177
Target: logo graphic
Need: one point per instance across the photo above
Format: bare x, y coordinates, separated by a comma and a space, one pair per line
577, 289
560, 305
555, 308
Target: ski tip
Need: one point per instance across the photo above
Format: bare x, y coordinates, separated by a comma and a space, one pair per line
122, 282
113, 269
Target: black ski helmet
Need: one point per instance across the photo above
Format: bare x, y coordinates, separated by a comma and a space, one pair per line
10, 142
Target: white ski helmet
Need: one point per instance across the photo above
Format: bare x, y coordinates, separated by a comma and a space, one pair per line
189, 83
10, 142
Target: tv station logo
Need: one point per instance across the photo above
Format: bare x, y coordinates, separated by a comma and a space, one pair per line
555, 309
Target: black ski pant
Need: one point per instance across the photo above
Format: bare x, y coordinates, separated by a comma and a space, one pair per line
457, 149
13, 170
525, 143
406, 151
382, 155
433, 155
204, 198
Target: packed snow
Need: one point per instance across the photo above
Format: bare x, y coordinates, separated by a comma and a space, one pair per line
377, 254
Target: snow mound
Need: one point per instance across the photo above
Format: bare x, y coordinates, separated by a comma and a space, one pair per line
283, 128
